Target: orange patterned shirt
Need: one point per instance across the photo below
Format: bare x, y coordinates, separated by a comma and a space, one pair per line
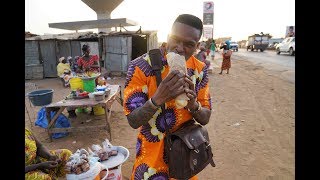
139, 87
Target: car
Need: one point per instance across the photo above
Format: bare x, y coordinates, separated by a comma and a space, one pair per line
287, 45
234, 46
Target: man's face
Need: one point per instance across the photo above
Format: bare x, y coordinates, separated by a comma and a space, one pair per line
183, 39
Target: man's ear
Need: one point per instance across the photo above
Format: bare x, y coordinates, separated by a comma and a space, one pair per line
198, 44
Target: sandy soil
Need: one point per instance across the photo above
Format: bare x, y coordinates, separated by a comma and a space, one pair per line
252, 126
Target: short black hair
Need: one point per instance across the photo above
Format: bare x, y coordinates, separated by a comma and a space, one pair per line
85, 47
190, 20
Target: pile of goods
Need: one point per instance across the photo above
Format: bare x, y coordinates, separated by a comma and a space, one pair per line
78, 94
78, 162
88, 74
104, 152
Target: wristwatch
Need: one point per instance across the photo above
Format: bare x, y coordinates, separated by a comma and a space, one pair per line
197, 110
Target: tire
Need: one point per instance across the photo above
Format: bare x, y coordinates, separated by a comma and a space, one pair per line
247, 48
237, 50
261, 50
252, 49
278, 51
291, 52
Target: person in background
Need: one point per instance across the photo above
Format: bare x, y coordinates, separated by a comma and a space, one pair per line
201, 55
226, 55
163, 48
212, 49
64, 71
42, 164
73, 63
88, 63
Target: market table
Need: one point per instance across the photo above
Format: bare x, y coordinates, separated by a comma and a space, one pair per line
115, 94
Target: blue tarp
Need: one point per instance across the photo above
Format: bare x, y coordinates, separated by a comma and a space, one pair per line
62, 122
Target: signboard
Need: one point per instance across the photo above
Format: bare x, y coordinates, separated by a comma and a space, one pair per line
207, 32
208, 13
207, 19
290, 31
208, 7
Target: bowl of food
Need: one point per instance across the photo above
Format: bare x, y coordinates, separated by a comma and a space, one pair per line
99, 95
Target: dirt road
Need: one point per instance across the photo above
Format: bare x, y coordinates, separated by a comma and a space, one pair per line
252, 125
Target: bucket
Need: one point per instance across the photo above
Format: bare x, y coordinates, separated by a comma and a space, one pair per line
89, 85
98, 110
76, 83
41, 97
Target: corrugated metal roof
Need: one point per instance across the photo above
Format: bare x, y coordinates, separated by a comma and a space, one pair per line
68, 36
87, 35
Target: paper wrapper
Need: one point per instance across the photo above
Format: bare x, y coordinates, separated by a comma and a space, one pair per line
177, 62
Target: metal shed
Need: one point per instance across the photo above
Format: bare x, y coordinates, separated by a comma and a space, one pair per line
42, 52
119, 48
115, 50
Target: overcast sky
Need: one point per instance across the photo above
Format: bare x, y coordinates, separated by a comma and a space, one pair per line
235, 18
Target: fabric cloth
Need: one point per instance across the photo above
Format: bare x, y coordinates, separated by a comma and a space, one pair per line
61, 59
85, 64
74, 63
213, 47
226, 62
139, 87
201, 55
61, 68
32, 158
212, 53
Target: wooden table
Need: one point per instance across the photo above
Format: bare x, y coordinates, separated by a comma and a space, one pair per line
115, 94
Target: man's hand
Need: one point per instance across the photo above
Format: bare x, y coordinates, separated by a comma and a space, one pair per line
170, 87
48, 165
191, 94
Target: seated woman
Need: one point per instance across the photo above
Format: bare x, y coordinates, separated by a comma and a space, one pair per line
64, 71
88, 63
41, 164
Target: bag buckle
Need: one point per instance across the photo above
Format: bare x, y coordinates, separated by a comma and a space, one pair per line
196, 150
208, 145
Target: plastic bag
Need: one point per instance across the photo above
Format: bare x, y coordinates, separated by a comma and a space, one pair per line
93, 172
177, 62
61, 122
107, 146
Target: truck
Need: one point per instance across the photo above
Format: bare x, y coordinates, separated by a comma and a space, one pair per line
258, 42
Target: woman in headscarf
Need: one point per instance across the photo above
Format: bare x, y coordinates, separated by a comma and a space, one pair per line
88, 63
226, 55
64, 71
42, 164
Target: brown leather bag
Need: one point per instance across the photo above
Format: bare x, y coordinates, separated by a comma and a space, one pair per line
187, 150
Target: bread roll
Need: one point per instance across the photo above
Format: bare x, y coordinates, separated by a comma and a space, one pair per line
177, 62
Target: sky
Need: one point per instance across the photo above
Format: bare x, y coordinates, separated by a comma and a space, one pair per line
232, 18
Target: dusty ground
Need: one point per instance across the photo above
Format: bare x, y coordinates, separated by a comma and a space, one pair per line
252, 126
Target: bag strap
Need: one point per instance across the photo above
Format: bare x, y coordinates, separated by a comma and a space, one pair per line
156, 65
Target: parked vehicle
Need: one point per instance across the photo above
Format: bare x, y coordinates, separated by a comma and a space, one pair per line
234, 46
287, 45
258, 42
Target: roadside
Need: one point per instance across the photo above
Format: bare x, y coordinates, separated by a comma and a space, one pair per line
251, 128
